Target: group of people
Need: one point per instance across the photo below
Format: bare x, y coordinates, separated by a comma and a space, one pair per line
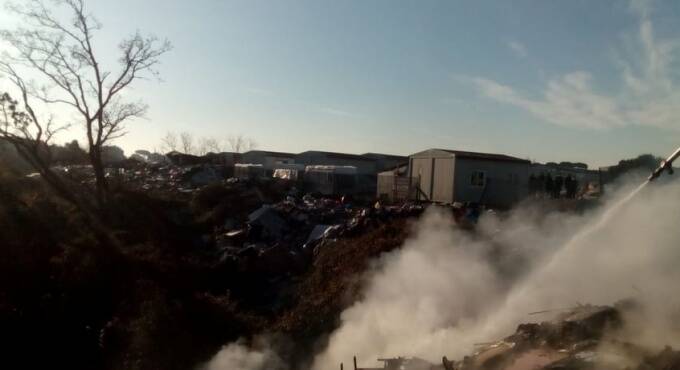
553, 187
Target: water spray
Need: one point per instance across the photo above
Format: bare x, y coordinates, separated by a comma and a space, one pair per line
666, 165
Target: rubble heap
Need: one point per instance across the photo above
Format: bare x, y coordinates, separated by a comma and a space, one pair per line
289, 233
584, 337
580, 338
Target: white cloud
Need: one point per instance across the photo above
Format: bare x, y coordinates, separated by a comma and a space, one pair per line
567, 101
518, 49
648, 94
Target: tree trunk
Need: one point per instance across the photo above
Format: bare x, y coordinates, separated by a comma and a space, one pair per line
100, 230
101, 184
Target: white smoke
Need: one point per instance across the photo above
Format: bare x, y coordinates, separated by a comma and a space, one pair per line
445, 289
415, 295
631, 254
241, 356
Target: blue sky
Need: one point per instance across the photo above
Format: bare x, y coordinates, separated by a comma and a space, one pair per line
590, 81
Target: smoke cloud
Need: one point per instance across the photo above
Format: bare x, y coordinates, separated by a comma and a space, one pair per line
260, 355
447, 289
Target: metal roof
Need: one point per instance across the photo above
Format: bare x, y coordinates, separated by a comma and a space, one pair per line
270, 153
355, 157
385, 156
476, 155
347, 170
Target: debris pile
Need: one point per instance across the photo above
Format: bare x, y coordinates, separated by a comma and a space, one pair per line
399, 363
171, 178
159, 177
584, 337
290, 232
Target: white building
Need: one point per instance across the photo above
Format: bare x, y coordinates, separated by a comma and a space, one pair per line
448, 176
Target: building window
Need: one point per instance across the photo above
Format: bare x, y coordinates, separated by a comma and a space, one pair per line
478, 178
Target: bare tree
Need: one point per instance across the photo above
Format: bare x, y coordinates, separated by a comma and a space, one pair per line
187, 142
169, 142
207, 145
240, 143
30, 137
63, 54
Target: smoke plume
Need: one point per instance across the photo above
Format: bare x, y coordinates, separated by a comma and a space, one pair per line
259, 355
447, 289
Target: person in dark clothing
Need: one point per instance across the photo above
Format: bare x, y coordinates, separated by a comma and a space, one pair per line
557, 188
567, 187
533, 187
572, 187
549, 185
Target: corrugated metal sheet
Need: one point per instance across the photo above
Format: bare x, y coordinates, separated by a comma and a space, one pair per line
506, 182
421, 170
442, 189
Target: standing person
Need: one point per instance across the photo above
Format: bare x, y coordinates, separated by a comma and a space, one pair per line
573, 188
568, 186
549, 185
576, 186
557, 188
533, 188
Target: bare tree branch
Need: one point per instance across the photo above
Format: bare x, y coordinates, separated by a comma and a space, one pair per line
207, 145
240, 143
169, 142
187, 142
30, 139
63, 54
